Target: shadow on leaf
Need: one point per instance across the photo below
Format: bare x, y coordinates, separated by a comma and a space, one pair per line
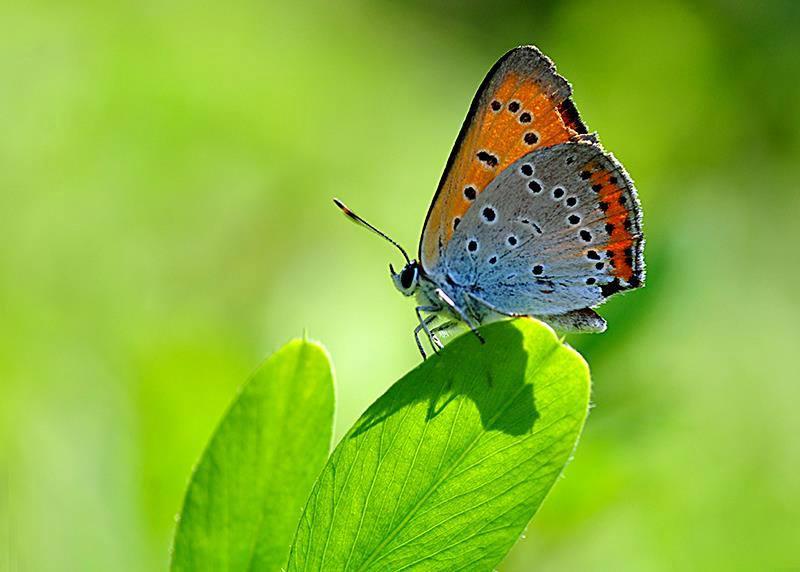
495, 376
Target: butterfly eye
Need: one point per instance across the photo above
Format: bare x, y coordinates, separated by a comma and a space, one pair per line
407, 277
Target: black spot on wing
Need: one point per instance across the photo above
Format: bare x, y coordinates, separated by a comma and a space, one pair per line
611, 288
487, 158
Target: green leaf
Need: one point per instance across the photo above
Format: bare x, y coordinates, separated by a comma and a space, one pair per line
247, 493
445, 470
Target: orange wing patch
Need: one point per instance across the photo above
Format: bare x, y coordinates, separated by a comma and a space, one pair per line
522, 105
622, 225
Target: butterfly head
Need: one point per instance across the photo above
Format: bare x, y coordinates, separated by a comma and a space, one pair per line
407, 279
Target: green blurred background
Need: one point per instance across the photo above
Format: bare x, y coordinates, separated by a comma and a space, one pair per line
166, 170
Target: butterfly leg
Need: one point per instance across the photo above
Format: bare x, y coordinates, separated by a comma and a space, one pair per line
417, 330
423, 326
475, 331
443, 327
436, 341
460, 313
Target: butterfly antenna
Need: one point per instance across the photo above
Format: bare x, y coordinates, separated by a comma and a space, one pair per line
355, 218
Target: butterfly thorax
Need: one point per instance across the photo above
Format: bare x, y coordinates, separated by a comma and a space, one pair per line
426, 291
442, 294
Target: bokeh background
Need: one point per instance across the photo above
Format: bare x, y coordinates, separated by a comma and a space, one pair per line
166, 170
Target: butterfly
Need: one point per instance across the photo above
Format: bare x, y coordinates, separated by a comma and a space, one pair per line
532, 217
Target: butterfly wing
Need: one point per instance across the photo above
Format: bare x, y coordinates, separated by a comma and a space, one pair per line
559, 230
522, 105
